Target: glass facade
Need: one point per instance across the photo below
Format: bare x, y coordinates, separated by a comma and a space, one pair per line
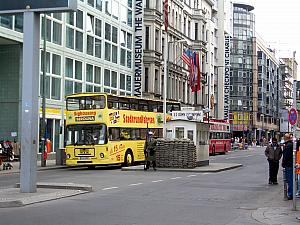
241, 74
87, 51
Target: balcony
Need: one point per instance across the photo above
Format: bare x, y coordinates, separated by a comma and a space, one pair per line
198, 14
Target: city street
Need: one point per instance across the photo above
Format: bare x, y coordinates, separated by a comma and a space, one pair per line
156, 198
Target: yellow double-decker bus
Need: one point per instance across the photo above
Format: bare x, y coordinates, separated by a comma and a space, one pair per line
105, 129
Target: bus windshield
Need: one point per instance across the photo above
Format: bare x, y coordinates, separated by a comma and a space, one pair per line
86, 103
93, 134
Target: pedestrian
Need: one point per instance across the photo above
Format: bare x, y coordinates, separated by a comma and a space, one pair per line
287, 164
254, 142
298, 166
273, 153
150, 151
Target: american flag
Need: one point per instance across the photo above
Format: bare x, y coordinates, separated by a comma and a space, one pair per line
186, 57
166, 14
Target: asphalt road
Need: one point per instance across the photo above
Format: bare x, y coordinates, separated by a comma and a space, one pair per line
155, 198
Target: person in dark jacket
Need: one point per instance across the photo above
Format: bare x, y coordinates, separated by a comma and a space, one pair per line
273, 153
150, 151
287, 163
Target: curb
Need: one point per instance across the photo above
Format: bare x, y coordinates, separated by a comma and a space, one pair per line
4, 172
60, 190
196, 170
66, 186
24, 201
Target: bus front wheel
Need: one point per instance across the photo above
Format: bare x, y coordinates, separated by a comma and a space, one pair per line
128, 159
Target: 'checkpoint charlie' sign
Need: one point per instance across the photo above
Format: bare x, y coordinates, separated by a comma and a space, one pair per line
18, 6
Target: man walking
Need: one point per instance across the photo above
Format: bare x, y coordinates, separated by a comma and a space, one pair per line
273, 153
287, 164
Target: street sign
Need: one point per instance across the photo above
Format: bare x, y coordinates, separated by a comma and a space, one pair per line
293, 116
19, 6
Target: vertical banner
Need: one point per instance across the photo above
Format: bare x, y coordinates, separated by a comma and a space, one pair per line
227, 77
138, 47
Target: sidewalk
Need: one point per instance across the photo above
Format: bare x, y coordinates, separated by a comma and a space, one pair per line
50, 164
12, 197
273, 209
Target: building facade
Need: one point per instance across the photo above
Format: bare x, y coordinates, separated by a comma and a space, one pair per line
266, 92
94, 49
255, 80
192, 25
242, 69
288, 73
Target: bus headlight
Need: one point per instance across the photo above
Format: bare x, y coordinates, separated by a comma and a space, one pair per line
101, 155
68, 156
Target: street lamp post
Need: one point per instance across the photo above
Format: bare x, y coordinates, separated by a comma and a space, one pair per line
262, 126
244, 109
166, 73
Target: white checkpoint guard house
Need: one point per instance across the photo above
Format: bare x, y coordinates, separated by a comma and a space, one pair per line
190, 125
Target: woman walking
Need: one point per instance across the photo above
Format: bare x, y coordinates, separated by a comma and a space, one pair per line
273, 153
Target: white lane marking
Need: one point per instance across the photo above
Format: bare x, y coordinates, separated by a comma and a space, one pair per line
235, 157
109, 188
175, 178
205, 173
135, 184
156, 181
192, 175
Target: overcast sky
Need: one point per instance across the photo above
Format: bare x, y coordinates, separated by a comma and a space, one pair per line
278, 23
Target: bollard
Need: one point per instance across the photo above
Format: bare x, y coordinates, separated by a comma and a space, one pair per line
284, 186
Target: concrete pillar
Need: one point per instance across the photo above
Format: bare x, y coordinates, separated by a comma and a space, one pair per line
30, 102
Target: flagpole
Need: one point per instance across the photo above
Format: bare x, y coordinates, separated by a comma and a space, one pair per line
166, 53
165, 83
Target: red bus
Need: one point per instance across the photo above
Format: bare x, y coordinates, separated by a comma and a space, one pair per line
219, 137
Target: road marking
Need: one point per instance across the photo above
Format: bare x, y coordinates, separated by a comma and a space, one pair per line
175, 178
135, 184
232, 157
156, 181
109, 188
206, 173
192, 175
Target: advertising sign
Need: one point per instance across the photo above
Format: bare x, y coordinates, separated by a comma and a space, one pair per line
188, 115
227, 77
138, 47
18, 6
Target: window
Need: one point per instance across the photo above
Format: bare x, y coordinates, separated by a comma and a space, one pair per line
57, 32
147, 38
78, 70
74, 35
107, 51
89, 73
69, 38
90, 45
56, 88
190, 134
122, 81
146, 78
56, 64
52, 79
106, 77
179, 132
114, 79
